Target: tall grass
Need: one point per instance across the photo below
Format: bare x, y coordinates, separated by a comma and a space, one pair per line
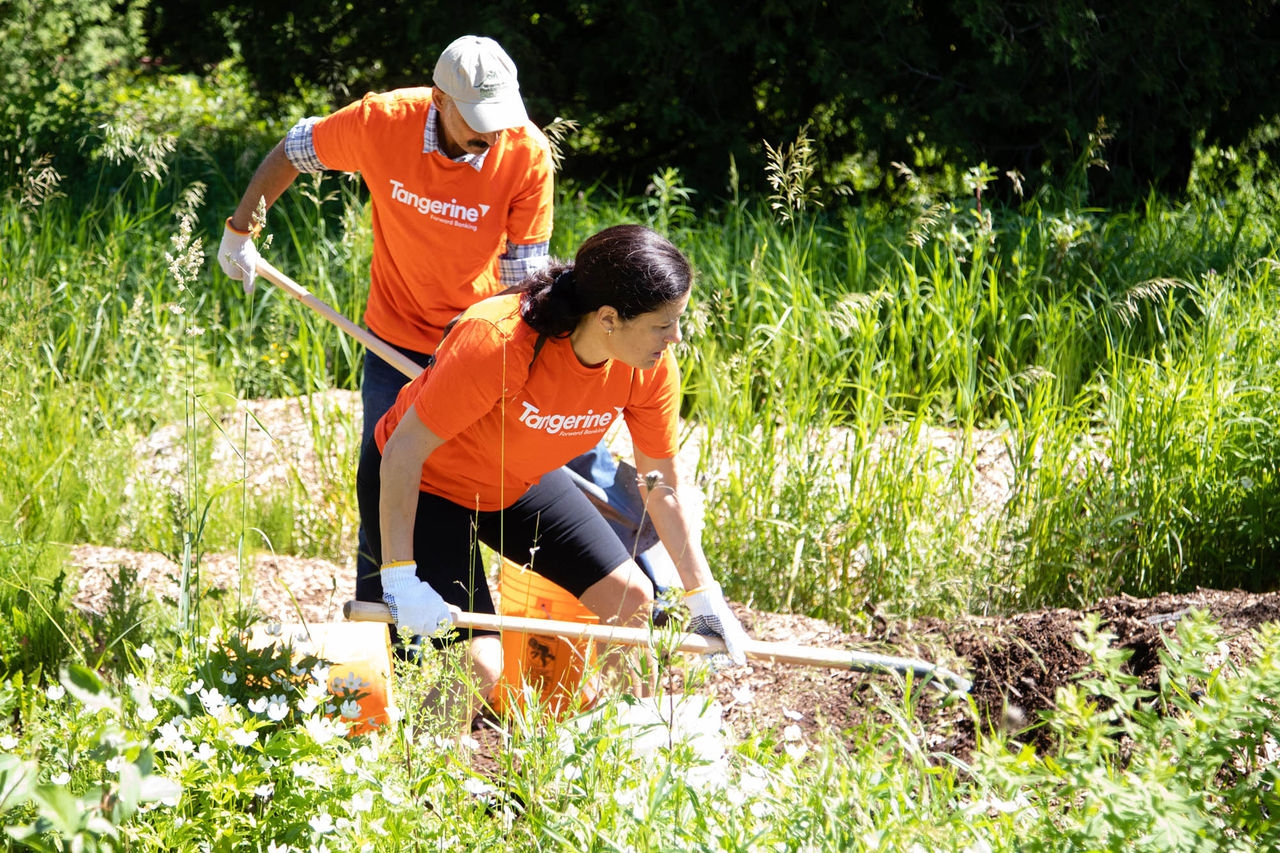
848, 372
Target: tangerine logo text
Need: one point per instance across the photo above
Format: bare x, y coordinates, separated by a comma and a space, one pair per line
591, 421
435, 208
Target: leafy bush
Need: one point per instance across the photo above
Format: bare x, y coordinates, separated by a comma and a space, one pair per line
54, 58
1025, 86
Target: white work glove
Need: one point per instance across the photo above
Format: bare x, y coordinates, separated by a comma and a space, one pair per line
710, 616
237, 255
414, 604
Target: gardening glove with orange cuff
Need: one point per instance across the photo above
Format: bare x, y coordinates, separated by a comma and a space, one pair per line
710, 616
414, 604
237, 255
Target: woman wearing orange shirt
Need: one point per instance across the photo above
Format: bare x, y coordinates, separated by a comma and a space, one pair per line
523, 383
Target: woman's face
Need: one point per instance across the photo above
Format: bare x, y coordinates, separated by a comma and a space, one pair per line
641, 341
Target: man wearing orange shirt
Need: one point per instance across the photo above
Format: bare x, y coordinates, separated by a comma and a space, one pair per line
460, 182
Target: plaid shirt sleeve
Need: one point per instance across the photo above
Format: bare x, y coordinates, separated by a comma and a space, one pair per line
300, 148
518, 262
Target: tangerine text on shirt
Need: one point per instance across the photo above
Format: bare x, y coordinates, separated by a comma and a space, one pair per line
554, 424
428, 206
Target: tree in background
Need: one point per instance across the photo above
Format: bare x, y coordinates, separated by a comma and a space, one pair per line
53, 58
1031, 85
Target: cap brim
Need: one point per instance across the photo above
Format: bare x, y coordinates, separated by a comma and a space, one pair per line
493, 115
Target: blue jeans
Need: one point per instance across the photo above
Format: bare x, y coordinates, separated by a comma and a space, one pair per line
595, 473
378, 389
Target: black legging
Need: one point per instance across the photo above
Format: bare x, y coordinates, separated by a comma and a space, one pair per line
575, 547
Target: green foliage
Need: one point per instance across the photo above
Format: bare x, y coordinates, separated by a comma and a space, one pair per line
53, 59
1030, 87
38, 628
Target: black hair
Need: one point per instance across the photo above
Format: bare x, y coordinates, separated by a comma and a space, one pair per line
630, 267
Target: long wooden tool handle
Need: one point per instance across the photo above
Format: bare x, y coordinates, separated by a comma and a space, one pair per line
790, 653
385, 351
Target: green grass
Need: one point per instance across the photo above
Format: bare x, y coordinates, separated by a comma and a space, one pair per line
1123, 359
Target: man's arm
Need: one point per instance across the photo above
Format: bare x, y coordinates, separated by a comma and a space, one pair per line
519, 262
274, 175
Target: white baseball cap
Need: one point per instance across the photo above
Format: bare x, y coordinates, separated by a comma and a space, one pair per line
477, 73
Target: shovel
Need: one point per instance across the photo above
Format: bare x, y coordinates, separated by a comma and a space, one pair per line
385, 351
787, 653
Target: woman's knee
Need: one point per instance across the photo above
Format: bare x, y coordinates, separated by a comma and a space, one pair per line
485, 653
623, 596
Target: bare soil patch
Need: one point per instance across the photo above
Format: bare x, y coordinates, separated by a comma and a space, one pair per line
1015, 663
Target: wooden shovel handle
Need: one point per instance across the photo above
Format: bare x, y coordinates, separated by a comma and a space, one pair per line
385, 351
788, 653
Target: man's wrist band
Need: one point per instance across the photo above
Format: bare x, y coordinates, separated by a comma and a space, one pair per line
234, 230
395, 564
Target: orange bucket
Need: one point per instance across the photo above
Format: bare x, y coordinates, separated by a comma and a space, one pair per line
551, 666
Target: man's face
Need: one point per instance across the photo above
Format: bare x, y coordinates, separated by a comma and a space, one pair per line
456, 136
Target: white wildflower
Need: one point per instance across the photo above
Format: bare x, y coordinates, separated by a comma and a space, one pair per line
478, 787
278, 709
322, 823
228, 677
212, 700
9, 743
60, 779
243, 737
361, 801
258, 705
792, 733
349, 683
55, 692
350, 709
321, 729
171, 738
145, 651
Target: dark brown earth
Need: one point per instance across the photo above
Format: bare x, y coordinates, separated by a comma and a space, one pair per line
1015, 663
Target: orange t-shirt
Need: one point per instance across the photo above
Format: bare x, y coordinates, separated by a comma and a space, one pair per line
506, 424
438, 226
